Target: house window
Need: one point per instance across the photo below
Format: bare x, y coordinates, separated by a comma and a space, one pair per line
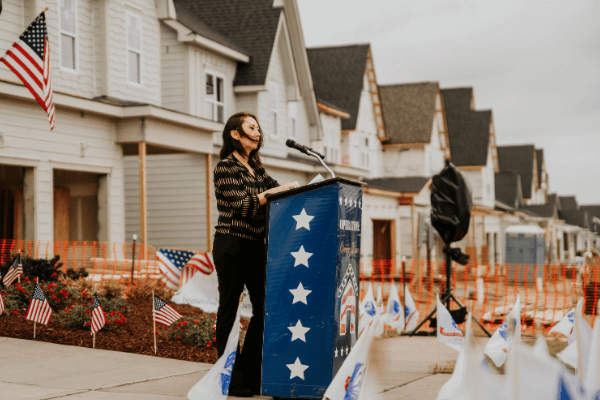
68, 34
364, 153
215, 97
293, 119
331, 154
273, 102
134, 48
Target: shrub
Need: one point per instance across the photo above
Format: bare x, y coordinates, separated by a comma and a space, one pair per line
115, 310
195, 331
80, 289
111, 289
18, 296
76, 274
45, 270
143, 290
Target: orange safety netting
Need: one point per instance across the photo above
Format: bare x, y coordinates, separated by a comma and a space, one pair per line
547, 291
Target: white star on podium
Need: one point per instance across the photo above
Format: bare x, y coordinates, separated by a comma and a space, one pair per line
303, 220
297, 369
301, 257
336, 352
298, 331
300, 294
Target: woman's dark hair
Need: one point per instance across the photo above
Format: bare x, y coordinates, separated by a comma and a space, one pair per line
234, 123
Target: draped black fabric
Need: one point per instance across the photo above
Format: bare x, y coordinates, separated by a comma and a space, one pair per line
451, 203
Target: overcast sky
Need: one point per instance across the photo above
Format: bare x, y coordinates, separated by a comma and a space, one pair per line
536, 64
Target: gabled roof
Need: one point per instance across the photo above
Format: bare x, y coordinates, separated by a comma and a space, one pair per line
408, 111
248, 26
409, 184
539, 155
575, 217
337, 74
468, 130
542, 210
593, 211
554, 199
568, 203
507, 185
519, 159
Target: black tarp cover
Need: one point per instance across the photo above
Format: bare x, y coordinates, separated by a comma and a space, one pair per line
451, 202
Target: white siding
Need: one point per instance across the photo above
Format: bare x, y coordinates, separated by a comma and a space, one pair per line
11, 26
27, 134
176, 196
172, 70
403, 162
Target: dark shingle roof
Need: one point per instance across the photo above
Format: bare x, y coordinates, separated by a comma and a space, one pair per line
518, 159
468, 130
408, 111
568, 203
409, 184
575, 217
245, 25
593, 211
337, 74
542, 210
553, 199
507, 185
539, 155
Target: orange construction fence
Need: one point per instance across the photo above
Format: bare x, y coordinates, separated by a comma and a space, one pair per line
547, 291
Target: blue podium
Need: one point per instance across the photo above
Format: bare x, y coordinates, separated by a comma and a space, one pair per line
312, 286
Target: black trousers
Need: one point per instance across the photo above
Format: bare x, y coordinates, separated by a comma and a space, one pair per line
240, 262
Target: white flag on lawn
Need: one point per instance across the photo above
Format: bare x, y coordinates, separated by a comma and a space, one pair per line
394, 312
570, 354
592, 377
349, 381
565, 325
498, 345
215, 384
447, 331
410, 309
367, 309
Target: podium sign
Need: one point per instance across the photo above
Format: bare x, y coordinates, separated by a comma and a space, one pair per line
312, 287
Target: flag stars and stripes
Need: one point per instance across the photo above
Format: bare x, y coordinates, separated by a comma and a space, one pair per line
98, 318
350, 202
1, 304
164, 313
39, 310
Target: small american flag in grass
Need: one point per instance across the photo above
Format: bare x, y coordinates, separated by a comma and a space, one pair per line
39, 310
13, 272
29, 59
1, 304
98, 318
164, 313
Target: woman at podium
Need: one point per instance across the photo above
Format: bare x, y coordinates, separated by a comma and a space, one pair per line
241, 184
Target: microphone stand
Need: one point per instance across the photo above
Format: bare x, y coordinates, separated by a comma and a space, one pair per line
310, 153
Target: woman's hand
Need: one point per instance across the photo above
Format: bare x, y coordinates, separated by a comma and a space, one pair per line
278, 189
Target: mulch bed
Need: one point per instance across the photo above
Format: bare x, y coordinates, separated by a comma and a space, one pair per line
135, 337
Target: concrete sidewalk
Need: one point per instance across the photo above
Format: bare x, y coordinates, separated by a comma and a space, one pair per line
38, 370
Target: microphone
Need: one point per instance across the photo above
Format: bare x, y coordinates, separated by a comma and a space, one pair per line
304, 149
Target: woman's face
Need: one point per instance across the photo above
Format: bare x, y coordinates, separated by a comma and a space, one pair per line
249, 142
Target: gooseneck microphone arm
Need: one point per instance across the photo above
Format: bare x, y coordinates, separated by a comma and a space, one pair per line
310, 152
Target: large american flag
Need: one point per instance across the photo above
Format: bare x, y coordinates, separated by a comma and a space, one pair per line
13, 272
178, 266
98, 318
29, 59
164, 313
39, 310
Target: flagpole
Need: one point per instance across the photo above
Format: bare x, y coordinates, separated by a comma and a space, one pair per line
578, 338
34, 322
19, 276
154, 323
45, 9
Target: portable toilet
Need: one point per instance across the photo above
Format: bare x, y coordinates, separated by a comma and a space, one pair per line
525, 248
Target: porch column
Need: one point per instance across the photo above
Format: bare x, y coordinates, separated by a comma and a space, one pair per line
143, 204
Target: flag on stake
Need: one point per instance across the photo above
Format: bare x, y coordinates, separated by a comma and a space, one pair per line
497, 346
447, 330
98, 318
367, 309
13, 272
215, 384
348, 382
565, 326
39, 310
164, 313
29, 59
1, 304
412, 315
394, 312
